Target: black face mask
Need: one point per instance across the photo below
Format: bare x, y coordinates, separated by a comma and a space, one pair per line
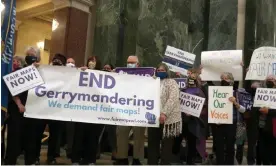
106, 70
30, 59
57, 62
224, 83
269, 84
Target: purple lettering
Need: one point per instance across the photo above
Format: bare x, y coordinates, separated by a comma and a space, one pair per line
50, 94
82, 78
112, 81
40, 93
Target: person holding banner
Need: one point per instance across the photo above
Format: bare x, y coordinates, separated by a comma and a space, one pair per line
123, 134
170, 119
86, 135
226, 133
268, 133
21, 130
55, 127
194, 129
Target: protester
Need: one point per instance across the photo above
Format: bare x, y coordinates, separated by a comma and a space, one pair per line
268, 132
21, 131
170, 119
70, 62
123, 134
55, 127
110, 129
194, 129
226, 133
17, 63
86, 135
108, 67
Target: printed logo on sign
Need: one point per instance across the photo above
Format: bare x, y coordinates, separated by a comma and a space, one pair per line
151, 118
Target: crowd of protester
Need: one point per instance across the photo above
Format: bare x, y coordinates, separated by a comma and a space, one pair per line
84, 141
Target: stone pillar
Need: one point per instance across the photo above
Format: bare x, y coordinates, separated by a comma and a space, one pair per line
240, 28
70, 36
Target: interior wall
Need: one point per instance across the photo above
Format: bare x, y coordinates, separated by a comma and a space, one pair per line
29, 33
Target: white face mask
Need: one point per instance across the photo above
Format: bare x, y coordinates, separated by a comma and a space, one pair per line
131, 65
91, 65
70, 65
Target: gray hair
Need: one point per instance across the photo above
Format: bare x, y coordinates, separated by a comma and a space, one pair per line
229, 76
37, 52
20, 59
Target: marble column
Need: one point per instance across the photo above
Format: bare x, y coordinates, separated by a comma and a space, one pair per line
106, 30
161, 24
223, 24
196, 29
69, 38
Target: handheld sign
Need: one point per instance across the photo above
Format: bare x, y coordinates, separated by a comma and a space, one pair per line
141, 71
265, 97
216, 62
178, 60
244, 99
23, 79
262, 64
191, 104
220, 109
182, 82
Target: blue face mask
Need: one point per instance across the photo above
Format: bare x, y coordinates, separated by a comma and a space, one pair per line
161, 75
131, 65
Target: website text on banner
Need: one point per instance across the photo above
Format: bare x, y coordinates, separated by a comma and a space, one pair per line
23, 79
244, 99
141, 71
220, 109
191, 104
262, 64
178, 60
265, 97
216, 62
182, 82
95, 97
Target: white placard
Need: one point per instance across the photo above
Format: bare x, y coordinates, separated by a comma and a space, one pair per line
23, 80
265, 97
178, 60
262, 64
191, 104
217, 62
220, 109
95, 97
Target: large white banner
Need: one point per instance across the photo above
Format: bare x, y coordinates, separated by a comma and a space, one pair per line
178, 60
23, 80
265, 97
262, 64
220, 109
216, 62
191, 104
95, 97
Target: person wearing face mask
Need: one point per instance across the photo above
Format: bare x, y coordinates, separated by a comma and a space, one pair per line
21, 131
123, 134
70, 62
108, 67
226, 133
170, 119
267, 132
86, 135
194, 129
55, 127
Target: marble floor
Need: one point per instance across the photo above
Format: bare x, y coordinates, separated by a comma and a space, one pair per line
104, 160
